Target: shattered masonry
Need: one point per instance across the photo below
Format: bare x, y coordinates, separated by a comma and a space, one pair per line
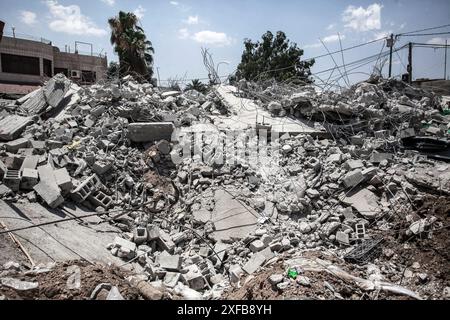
276, 181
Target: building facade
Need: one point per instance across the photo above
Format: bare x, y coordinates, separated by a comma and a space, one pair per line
25, 61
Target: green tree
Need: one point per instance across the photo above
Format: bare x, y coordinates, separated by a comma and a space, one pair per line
129, 40
273, 58
113, 70
196, 84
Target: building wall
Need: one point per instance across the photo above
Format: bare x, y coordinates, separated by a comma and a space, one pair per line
70, 61
27, 48
74, 61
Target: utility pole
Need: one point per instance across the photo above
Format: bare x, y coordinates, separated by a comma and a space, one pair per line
14, 32
390, 44
410, 63
445, 61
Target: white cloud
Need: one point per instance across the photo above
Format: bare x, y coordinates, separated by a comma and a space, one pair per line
403, 25
192, 20
327, 39
382, 34
361, 19
139, 12
438, 40
70, 20
28, 17
174, 3
183, 33
109, 2
212, 37
333, 38
314, 45
331, 26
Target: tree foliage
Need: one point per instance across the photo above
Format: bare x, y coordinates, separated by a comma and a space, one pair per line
197, 85
129, 40
113, 70
274, 57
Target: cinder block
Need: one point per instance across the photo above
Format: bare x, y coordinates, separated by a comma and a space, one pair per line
63, 179
30, 178
86, 188
101, 199
49, 194
15, 145
101, 167
30, 162
150, 131
12, 179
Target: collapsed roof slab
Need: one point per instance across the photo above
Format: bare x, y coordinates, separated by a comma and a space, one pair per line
64, 241
11, 126
245, 114
232, 219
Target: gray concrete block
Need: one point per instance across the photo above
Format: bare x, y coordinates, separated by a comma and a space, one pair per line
12, 179
15, 145
30, 162
352, 178
168, 261
253, 264
30, 178
49, 194
150, 131
63, 179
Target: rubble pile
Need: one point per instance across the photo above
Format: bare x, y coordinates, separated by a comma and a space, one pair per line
198, 227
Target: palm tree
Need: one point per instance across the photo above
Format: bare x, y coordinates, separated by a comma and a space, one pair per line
196, 85
129, 40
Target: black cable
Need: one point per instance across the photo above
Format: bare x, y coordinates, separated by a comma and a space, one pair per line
426, 34
427, 29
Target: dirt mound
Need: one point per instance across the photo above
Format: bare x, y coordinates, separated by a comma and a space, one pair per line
55, 284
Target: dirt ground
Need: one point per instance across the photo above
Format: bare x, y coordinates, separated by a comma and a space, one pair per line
53, 284
10, 251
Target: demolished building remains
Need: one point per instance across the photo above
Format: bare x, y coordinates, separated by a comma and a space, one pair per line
203, 196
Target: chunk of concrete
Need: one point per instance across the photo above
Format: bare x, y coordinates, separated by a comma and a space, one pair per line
377, 157
256, 261
15, 145
365, 202
150, 131
11, 126
30, 178
63, 179
168, 261
353, 178
30, 162
49, 194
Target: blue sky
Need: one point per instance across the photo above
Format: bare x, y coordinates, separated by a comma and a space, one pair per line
178, 29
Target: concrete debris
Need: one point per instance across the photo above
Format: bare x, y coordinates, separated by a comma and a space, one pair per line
325, 172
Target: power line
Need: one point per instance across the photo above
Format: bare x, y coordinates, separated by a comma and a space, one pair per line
427, 29
425, 34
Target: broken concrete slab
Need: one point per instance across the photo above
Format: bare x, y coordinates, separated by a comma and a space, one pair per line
15, 145
365, 202
60, 241
11, 126
150, 131
245, 111
253, 264
232, 219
